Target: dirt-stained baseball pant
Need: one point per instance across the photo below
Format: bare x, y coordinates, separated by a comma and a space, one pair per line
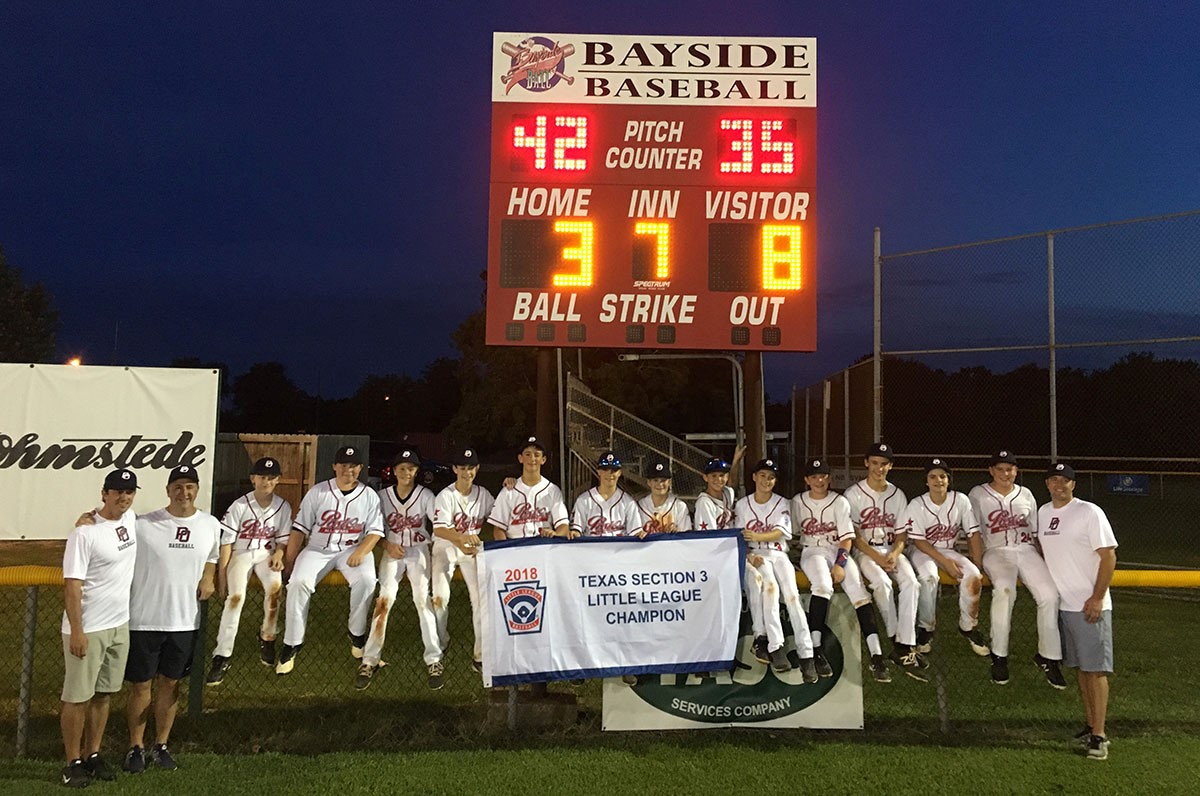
447, 556
968, 589
897, 606
1003, 566
311, 566
414, 565
237, 579
779, 580
817, 564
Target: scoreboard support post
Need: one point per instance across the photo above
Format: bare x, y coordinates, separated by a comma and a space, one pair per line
756, 421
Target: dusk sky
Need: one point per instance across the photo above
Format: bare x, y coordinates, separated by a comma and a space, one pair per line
307, 182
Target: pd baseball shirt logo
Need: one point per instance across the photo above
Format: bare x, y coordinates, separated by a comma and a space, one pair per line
182, 534
522, 603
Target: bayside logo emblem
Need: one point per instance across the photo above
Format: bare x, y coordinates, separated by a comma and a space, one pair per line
27, 452
522, 603
538, 64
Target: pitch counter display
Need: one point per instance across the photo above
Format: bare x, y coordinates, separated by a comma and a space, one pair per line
652, 192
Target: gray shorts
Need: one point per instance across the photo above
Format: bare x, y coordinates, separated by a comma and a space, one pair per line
102, 668
1087, 646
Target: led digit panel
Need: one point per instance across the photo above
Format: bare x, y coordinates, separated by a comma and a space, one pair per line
653, 192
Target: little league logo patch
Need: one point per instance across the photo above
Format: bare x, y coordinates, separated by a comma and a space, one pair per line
522, 603
538, 64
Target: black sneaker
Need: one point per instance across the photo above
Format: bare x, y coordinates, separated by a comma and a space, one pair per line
162, 757
978, 645
436, 671
760, 650
1052, 672
999, 670
924, 641
808, 670
356, 646
1083, 736
220, 665
879, 669
287, 659
822, 663
363, 679
266, 652
75, 775
779, 660
98, 769
1097, 748
909, 662
135, 760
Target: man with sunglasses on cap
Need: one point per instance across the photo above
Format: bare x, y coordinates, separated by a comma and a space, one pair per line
98, 565
937, 521
533, 506
822, 517
254, 536
661, 511
606, 509
338, 525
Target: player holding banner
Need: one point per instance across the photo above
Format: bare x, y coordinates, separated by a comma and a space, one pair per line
606, 509
534, 506
661, 511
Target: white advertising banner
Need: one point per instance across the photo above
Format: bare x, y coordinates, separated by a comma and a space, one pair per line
750, 694
605, 606
63, 428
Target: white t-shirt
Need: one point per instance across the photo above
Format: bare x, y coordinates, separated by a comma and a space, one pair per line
524, 510
463, 513
1005, 520
595, 516
103, 557
824, 522
652, 518
877, 516
248, 526
775, 514
335, 522
171, 554
404, 518
1070, 538
942, 525
714, 514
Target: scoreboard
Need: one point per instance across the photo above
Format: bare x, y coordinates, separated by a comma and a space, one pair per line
652, 192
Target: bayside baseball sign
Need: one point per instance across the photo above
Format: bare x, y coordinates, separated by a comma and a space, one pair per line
62, 428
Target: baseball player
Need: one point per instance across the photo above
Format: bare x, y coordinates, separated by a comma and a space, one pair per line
338, 525
714, 506
254, 536
606, 509
1081, 554
177, 552
937, 521
534, 506
98, 565
459, 514
823, 519
1007, 516
661, 511
406, 506
767, 523
877, 510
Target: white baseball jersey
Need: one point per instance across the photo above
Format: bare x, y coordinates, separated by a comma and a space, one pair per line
171, 554
248, 526
712, 513
524, 510
335, 521
404, 518
942, 525
652, 519
1070, 537
102, 556
464, 513
1005, 520
822, 523
775, 514
595, 516
877, 516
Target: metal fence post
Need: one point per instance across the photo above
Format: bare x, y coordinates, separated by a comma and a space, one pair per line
877, 379
25, 698
1052, 344
199, 658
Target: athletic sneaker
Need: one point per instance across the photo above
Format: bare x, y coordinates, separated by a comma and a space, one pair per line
879, 669
287, 659
909, 662
135, 760
1083, 736
162, 756
477, 666
356, 646
629, 679
220, 665
266, 652
98, 769
760, 650
822, 663
363, 679
808, 670
1051, 670
924, 641
435, 675
779, 661
1097, 748
75, 775
978, 645
1000, 670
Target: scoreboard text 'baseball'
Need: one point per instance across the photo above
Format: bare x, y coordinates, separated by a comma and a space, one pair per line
652, 192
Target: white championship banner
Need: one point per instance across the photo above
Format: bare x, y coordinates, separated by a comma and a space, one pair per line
63, 428
605, 606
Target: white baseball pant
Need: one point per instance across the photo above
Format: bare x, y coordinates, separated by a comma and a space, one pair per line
237, 579
779, 580
817, 563
447, 556
897, 607
1003, 566
311, 566
752, 586
415, 565
969, 587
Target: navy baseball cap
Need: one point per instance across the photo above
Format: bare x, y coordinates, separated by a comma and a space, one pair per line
407, 456
467, 457
716, 465
816, 467
937, 464
1003, 457
266, 466
1065, 470
532, 442
881, 449
348, 454
609, 461
121, 479
184, 472
765, 464
659, 469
